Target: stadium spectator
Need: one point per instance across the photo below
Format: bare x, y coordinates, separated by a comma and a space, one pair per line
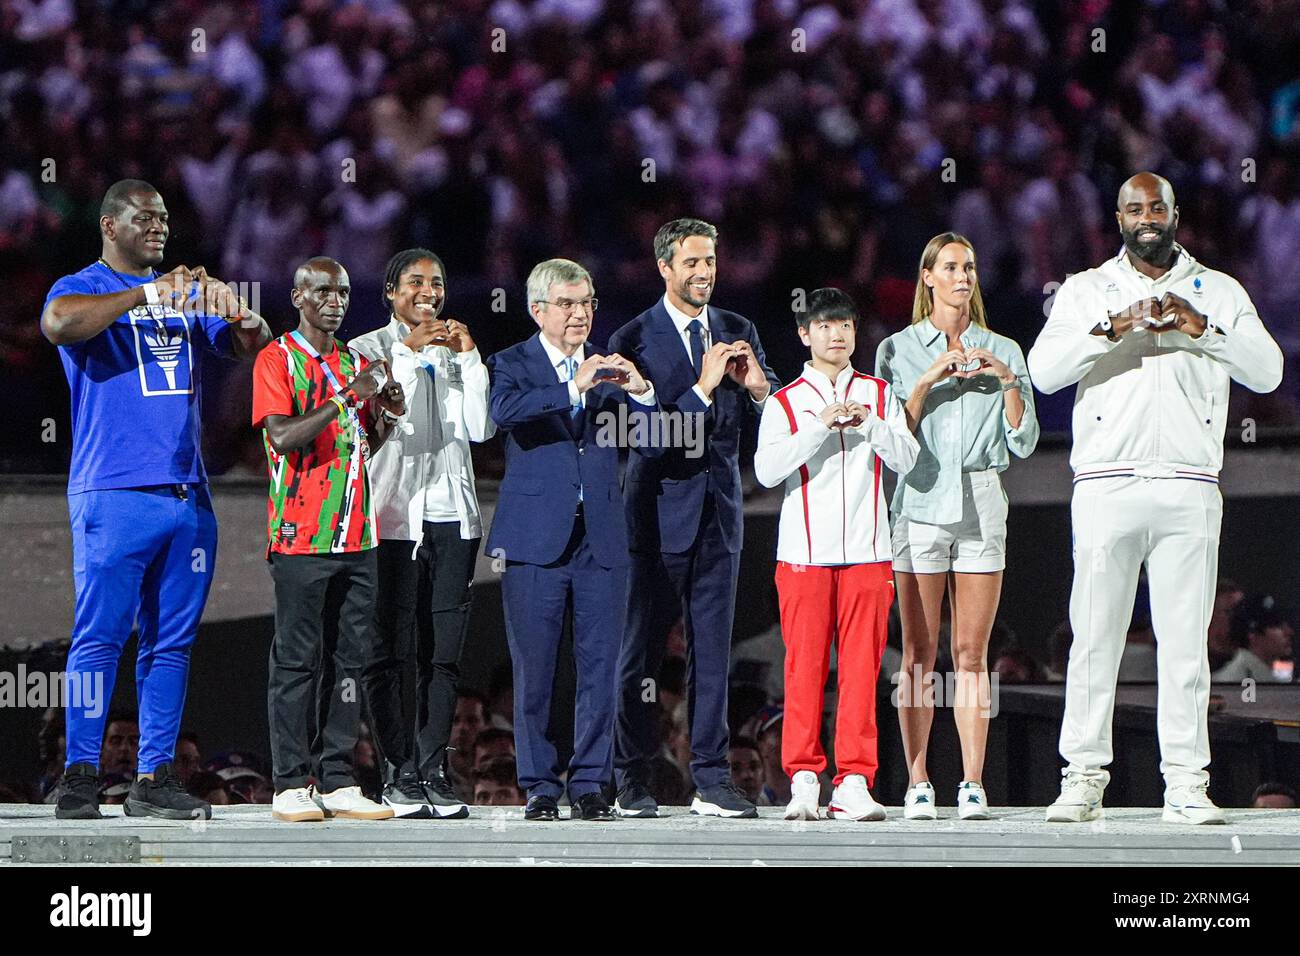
496, 784
1274, 796
121, 744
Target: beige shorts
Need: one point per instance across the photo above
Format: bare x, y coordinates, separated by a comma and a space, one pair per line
976, 544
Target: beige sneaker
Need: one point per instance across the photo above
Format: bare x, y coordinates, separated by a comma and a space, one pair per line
348, 803
295, 805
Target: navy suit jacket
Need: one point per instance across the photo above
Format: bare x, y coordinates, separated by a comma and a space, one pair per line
550, 455
665, 493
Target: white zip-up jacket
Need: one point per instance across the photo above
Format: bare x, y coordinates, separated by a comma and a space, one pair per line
834, 509
446, 409
1152, 404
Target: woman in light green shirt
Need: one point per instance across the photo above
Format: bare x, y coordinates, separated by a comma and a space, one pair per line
969, 401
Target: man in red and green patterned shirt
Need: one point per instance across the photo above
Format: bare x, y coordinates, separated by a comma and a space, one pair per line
323, 410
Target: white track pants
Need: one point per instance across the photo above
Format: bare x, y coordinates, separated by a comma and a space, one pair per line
1171, 525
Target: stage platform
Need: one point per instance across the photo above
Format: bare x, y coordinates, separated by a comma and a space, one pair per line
248, 836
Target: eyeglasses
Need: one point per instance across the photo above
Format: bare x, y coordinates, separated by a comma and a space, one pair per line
568, 305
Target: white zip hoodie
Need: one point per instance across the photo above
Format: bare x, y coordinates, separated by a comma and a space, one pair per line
834, 510
1152, 404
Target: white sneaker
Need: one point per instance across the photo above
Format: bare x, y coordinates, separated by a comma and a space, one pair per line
805, 796
972, 804
1080, 799
918, 804
1190, 804
851, 800
350, 804
295, 805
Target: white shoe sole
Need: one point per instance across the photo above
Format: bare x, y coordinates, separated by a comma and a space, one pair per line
455, 811
839, 813
921, 811
700, 808
1072, 814
302, 816
802, 811
413, 811
644, 814
1195, 816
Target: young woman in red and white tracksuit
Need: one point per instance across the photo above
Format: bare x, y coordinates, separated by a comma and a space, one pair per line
826, 436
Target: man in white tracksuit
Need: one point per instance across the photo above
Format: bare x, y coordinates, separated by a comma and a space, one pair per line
1152, 338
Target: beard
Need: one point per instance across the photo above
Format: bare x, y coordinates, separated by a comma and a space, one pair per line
1157, 251
696, 300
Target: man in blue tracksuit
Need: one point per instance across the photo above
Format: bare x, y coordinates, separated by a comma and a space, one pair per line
144, 536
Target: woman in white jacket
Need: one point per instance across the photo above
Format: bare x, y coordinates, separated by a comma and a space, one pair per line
968, 398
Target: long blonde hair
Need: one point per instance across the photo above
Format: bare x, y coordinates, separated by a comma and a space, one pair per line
923, 301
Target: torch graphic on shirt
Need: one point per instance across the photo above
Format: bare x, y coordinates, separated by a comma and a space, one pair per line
166, 348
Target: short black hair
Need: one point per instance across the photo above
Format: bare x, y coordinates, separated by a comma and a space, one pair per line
498, 770
744, 743
1271, 788
399, 264
827, 303
677, 231
122, 716
119, 195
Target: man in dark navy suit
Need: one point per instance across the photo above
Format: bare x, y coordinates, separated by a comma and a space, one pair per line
684, 516
560, 527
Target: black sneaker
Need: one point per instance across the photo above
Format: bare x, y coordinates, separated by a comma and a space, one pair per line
636, 801
442, 798
723, 800
77, 795
591, 806
163, 796
405, 796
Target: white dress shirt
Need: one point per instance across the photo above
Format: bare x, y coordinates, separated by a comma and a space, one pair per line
559, 362
682, 321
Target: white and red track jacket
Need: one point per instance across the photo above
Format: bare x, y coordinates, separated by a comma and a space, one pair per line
834, 510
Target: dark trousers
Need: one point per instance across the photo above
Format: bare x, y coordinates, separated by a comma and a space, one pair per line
700, 586
324, 606
422, 610
536, 599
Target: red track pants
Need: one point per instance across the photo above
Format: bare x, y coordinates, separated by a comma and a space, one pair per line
848, 604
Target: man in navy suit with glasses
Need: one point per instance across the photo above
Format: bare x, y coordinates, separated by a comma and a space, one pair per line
684, 517
561, 529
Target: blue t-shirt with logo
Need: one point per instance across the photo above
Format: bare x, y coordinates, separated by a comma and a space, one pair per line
135, 390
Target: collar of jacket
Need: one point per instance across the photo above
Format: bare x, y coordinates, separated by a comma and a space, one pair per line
840, 385
927, 333
1183, 266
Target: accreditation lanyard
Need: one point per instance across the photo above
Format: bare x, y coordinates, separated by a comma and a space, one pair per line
330, 377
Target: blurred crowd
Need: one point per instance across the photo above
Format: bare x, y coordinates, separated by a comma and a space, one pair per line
828, 140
